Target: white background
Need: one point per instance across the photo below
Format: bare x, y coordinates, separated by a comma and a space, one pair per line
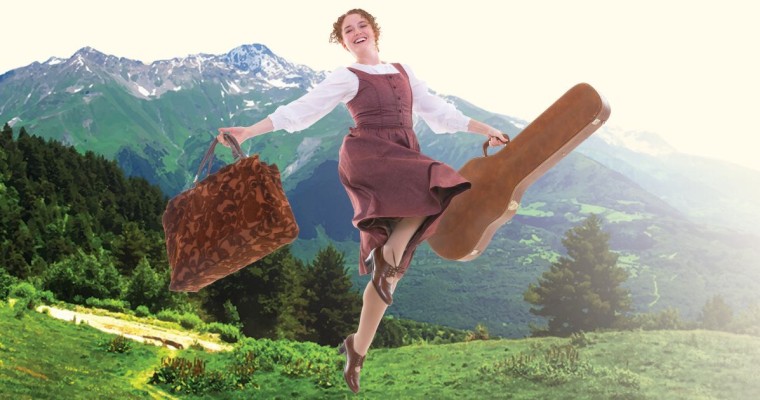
686, 70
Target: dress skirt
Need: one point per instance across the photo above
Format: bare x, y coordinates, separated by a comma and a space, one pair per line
387, 178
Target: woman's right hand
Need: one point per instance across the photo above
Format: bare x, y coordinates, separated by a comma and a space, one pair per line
240, 133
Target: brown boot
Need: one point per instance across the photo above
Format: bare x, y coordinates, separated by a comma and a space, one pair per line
353, 360
381, 271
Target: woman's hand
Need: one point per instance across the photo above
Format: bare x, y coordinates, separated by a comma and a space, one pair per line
243, 133
497, 138
240, 133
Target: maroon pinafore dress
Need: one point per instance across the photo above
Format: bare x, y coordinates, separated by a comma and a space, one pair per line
381, 167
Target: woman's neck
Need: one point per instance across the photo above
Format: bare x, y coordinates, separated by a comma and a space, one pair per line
368, 59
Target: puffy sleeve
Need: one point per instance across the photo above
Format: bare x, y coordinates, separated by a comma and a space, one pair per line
440, 115
340, 86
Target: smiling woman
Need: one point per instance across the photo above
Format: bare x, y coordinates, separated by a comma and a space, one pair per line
397, 193
365, 19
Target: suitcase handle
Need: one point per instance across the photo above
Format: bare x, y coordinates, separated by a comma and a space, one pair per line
207, 160
485, 145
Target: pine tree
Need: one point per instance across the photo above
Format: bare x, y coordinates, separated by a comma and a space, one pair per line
16, 241
716, 314
6, 135
333, 307
581, 292
11, 256
130, 247
146, 287
268, 295
79, 229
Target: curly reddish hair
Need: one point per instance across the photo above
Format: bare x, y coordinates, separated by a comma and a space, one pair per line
337, 33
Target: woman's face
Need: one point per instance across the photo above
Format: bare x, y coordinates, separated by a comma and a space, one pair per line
358, 36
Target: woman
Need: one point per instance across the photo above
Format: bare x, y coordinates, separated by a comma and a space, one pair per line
396, 192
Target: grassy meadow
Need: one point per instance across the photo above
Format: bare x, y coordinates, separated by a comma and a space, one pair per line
45, 358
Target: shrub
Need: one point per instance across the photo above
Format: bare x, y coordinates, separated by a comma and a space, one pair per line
142, 311
667, 319
192, 377
553, 366
119, 344
27, 297
6, 281
47, 297
147, 286
108, 304
168, 315
397, 332
228, 333
190, 321
480, 333
298, 359
625, 377
81, 275
23, 290
556, 365
579, 339
22, 306
231, 314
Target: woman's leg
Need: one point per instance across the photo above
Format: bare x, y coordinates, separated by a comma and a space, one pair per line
374, 307
394, 248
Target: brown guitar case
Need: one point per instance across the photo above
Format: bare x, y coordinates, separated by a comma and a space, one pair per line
499, 181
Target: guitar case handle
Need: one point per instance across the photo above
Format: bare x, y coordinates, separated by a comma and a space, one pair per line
485, 145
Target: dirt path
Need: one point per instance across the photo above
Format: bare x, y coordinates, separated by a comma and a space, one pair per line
141, 332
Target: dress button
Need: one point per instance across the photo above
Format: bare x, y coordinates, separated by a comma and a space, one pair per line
399, 97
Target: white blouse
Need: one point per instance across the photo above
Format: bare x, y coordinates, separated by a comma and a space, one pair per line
342, 85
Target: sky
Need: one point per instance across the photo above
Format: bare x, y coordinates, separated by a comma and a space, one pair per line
686, 70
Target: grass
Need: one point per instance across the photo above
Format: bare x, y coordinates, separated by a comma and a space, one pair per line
45, 358
534, 210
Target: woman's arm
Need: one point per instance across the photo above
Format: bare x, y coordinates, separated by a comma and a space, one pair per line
339, 86
443, 117
496, 138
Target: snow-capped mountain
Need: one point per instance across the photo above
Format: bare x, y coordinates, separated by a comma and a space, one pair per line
241, 70
141, 113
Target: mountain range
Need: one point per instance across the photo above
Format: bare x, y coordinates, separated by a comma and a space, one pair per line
685, 227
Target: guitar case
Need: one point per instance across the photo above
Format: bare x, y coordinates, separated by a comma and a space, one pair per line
499, 181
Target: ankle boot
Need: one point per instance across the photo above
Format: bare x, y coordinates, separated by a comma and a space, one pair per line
381, 271
353, 360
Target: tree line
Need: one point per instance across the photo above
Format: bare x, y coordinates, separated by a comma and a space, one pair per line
76, 226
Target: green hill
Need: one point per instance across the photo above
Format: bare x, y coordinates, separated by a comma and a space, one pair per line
45, 358
667, 216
